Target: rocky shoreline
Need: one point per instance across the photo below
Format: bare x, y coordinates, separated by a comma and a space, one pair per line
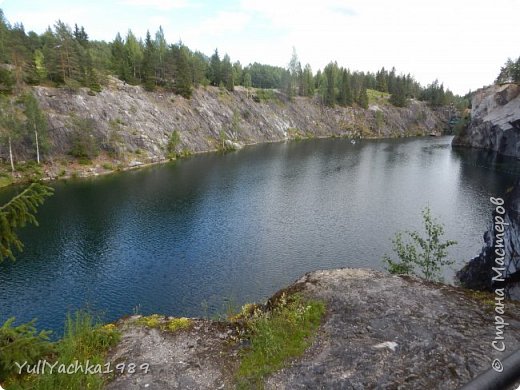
131, 127
379, 331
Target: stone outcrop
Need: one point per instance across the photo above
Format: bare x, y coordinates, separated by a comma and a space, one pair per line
130, 120
495, 121
478, 272
495, 127
379, 331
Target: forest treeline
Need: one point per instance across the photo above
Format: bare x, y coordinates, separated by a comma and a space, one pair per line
510, 72
63, 55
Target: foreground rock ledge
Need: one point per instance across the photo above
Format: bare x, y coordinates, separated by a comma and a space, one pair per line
380, 331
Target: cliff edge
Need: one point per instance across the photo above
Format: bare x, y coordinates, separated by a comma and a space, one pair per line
495, 121
379, 331
125, 126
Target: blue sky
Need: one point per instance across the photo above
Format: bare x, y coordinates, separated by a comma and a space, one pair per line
462, 43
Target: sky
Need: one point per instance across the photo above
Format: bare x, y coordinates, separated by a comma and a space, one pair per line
461, 43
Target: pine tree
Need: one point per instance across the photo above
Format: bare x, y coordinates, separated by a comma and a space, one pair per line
398, 97
134, 52
294, 69
381, 80
308, 81
330, 94
119, 58
345, 95
183, 83
149, 63
161, 49
36, 123
363, 98
247, 82
10, 128
18, 212
226, 73
199, 68
214, 69
68, 62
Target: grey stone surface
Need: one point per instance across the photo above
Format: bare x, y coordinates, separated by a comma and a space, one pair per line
144, 120
478, 273
380, 332
495, 121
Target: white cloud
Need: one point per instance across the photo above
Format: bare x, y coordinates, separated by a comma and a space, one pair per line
461, 43
215, 27
158, 4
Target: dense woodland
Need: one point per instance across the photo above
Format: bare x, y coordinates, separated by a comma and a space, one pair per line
65, 56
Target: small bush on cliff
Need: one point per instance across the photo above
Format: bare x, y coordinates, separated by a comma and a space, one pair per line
427, 254
84, 143
276, 336
173, 143
21, 343
85, 339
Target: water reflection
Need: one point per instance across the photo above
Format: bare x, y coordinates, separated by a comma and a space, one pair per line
237, 227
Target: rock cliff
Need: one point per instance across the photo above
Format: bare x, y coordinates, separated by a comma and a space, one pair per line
379, 331
478, 273
495, 121
138, 124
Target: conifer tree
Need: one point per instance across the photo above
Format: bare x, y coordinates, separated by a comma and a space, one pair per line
17, 213
149, 63
363, 98
214, 69
226, 73
345, 95
161, 49
247, 82
134, 52
308, 81
36, 123
330, 94
119, 58
398, 97
183, 83
199, 68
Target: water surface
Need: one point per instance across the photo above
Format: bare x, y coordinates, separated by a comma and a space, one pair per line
193, 237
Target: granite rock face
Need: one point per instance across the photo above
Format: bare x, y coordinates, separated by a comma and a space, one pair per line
379, 331
129, 119
478, 273
495, 121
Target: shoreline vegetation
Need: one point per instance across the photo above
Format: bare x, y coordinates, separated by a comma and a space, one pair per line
36, 70
98, 168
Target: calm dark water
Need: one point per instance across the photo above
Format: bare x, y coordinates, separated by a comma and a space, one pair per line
193, 237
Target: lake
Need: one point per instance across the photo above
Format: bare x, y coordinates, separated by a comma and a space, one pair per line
197, 236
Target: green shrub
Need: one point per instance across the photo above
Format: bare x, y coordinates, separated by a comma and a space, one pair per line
84, 161
84, 143
276, 336
161, 322
173, 143
21, 343
427, 254
84, 339
6, 81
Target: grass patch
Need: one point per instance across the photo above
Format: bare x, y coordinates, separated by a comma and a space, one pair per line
276, 336
161, 322
84, 339
265, 95
377, 97
485, 297
5, 181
